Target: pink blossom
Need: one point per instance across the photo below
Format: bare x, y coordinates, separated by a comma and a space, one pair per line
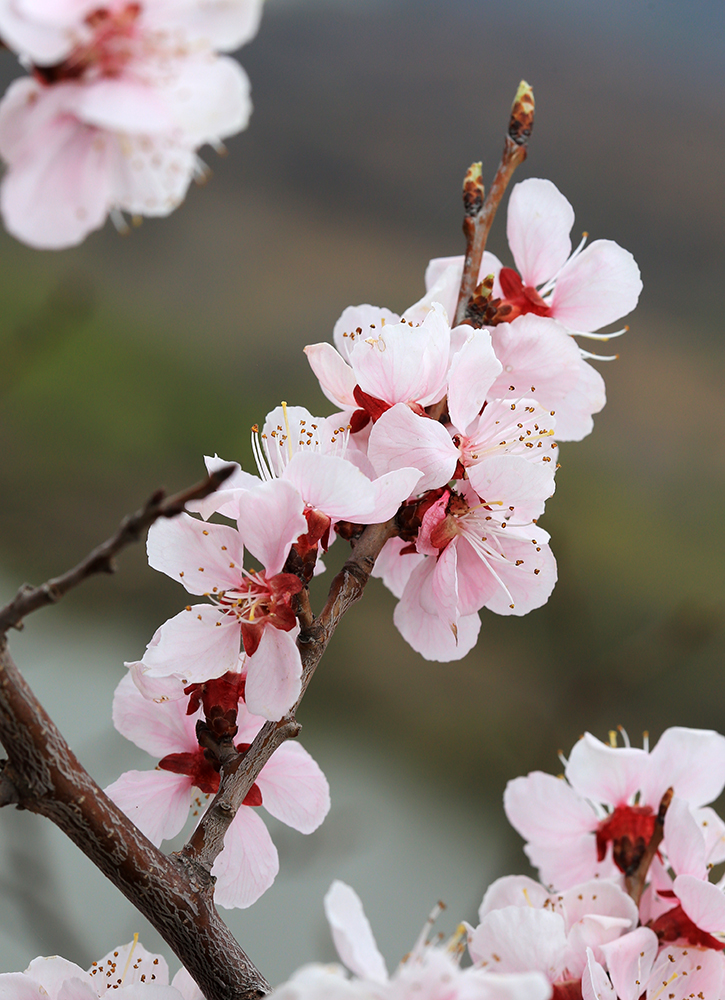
290, 786
121, 98
598, 822
250, 608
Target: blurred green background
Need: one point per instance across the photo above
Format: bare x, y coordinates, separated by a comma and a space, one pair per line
127, 359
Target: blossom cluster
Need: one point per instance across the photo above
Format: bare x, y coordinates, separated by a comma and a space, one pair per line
120, 97
589, 935
445, 430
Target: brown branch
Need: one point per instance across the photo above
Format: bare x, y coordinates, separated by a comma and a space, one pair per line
239, 774
101, 559
479, 217
634, 882
43, 776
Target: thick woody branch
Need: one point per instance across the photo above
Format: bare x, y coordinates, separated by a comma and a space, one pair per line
101, 559
238, 775
43, 776
479, 214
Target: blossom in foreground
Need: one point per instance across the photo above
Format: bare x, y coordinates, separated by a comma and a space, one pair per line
126, 970
429, 972
120, 99
291, 787
599, 821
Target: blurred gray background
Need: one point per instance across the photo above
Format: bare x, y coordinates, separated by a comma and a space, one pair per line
127, 359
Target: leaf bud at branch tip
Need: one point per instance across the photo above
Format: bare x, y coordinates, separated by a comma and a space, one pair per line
473, 190
522, 114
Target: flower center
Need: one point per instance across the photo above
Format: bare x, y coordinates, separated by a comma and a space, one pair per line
630, 830
109, 42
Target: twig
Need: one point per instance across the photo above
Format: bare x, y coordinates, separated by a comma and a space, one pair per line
43, 776
479, 217
101, 559
635, 881
238, 776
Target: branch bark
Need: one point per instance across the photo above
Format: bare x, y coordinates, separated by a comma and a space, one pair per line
44, 776
479, 218
239, 774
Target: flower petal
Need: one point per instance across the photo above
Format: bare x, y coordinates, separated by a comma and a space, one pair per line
273, 674
249, 863
294, 789
352, 934
156, 801
202, 557
538, 226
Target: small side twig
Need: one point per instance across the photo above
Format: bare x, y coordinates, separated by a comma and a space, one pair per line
101, 559
635, 881
479, 214
239, 774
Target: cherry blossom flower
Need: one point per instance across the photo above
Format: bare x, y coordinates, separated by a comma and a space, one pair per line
429, 972
128, 970
481, 554
639, 968
291, 787
251, 608
121, 98
395, 363
599, 821
523, 928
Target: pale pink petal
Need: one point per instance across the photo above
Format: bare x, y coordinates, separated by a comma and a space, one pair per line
606, 774
330, 484
152, 173
45, 42
597, 287
703, 902
183, 982
203, 557
120, 104
428, 634
196, 645
58, 187
439, 589
360, 321
571, 861
270, 519
53, 971
158, 689
352, 934
629, 960
595, 982
684, 842
598, 897
713, 830
538, 226
209, 98
402, 439
547, 810
528, 573
131, 962
677, 761
520, 939
574, 411
402, 363
294, 789
539, 359
249, 863
512, 890
476, 583
156, 801
688, 972
393, 567
159, 729
472, 373
514, 481
21, 986
225, 500
389, 492
336, 377
273, 674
